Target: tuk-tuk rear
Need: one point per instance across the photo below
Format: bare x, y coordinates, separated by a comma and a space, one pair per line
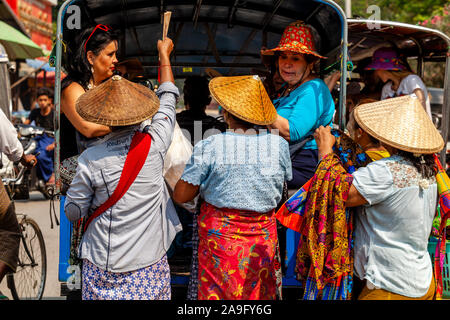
225, 36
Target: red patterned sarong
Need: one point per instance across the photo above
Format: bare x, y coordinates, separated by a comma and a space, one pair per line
236, 254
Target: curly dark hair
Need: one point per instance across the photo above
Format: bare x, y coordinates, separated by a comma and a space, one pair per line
77, 65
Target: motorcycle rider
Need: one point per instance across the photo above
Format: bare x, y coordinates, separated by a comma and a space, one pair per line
9, 226
43, 117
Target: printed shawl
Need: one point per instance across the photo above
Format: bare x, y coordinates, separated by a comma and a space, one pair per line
443, 185
317, 211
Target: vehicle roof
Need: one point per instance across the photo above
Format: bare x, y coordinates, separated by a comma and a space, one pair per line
365, 36
226, 35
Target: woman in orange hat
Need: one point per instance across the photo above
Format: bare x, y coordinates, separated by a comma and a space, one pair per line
305, 102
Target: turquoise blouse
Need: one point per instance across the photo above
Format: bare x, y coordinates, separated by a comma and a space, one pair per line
306, 108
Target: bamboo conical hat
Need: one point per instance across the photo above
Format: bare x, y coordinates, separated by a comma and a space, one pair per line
118, 102
245, 97
401, 123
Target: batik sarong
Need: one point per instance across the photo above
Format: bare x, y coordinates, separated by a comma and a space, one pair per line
149, 283
236, 254
318, 212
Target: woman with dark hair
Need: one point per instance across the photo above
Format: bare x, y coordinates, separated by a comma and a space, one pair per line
240, 176
397, 199
92, 61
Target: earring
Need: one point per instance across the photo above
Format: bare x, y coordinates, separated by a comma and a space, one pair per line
91, 81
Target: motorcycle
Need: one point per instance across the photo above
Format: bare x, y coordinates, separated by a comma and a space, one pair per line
30, 181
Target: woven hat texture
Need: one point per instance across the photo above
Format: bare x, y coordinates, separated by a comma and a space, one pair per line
297, 37
117, 102
245, 97
401, 123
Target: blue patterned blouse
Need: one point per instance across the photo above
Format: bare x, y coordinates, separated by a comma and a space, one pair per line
240, 171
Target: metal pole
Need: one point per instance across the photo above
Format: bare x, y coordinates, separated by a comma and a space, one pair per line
344, 57
445, 126
348, 8
57, 93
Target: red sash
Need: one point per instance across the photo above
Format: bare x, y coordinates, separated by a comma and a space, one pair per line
137, 154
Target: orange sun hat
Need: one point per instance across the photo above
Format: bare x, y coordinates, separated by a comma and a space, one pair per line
297, 37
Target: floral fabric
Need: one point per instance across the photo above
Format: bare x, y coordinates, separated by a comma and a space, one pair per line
236, 254
443, 184
405, 175
317, 211
351, 155
149, 283
325, 253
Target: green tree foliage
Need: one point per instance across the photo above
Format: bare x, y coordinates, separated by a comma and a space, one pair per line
429, 13
440, 19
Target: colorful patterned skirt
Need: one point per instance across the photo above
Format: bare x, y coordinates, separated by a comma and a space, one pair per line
236, 254
149, 283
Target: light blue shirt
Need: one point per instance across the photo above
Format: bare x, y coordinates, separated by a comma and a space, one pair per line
240, 171
306, 108
138, 230
392, 231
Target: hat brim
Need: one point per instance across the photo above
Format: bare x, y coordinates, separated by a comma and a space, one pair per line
296, 49
384, 66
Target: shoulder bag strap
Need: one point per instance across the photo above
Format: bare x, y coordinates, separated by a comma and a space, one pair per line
137, 154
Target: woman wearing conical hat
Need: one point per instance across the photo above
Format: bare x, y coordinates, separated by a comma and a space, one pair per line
397, 198
125, 241
240, 176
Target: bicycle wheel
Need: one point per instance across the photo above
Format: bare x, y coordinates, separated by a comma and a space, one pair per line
29, 280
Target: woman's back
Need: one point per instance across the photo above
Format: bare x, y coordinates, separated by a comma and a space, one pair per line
391, 233
240, 171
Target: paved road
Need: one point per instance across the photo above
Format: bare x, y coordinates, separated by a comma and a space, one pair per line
38, 208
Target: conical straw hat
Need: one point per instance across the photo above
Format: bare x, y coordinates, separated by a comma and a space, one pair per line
245, 97
401, 123
118, 102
